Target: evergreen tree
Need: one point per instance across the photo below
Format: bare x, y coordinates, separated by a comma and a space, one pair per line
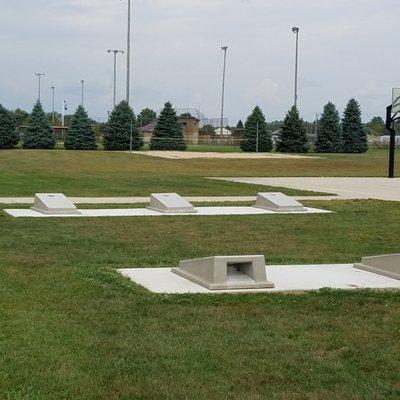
168, 133
376, 126
39, 134
146, 116
8, 129
118, 129
293, 134
355, 138
22, 116
240, 124
256, 122
80, 135
329, 135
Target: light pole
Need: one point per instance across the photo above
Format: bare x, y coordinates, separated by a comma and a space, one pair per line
53, 98
224, 49
128, 54
115, 71
296, 30
39, 76
82, 84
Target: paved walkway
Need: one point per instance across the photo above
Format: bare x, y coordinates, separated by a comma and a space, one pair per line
137, 200
346, 188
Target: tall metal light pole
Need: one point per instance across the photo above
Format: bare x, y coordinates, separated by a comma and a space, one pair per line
224, 49
296, 30
39, 75
82, 84
128, 54
115, 52
53, 108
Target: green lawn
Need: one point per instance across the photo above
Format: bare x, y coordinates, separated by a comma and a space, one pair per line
102, 173
71, 327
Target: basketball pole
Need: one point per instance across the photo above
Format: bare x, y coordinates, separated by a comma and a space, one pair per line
390, 127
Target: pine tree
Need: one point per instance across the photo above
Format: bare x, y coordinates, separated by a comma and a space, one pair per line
329, 135
9, 136
146, 116
293, 134
118, 129
240, 124
355, 138
39, 134
168, 133
256, 123
80, 134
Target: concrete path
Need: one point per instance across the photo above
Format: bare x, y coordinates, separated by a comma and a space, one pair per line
346, 188
138, 200
287, 278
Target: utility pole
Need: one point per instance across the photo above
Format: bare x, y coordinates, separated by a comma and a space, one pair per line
82, 83
296, 30
39, 76
316, 124
128, 54
115, 52
53, 98
224, 49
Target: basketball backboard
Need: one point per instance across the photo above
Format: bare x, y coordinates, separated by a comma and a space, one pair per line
396, 103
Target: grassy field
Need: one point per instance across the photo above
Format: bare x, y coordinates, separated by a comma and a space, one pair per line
118, 174
72, 328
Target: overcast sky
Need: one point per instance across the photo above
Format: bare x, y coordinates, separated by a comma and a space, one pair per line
347, 49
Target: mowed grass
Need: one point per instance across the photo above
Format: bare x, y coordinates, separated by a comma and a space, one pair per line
100, 173
72, 328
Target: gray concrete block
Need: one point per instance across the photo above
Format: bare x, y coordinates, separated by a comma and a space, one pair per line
53, 203
170, 203
226, 272
387, 265
278, 202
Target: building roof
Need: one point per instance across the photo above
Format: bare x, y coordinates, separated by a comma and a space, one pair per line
148, 128
225, 132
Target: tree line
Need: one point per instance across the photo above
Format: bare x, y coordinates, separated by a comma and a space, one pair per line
121, 132
334, 135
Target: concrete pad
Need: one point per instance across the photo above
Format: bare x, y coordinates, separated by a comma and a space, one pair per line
225, 272
53, 204
278, 202
287, 278
170, 203
387, 265
346, 188
144, 212
185, 155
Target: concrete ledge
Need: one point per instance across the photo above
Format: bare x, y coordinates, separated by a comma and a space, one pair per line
53, 204
278, 202
387, 265
170, 203
225, 272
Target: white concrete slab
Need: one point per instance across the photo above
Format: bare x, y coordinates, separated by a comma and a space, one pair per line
346, 188
287, 278
144, 212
